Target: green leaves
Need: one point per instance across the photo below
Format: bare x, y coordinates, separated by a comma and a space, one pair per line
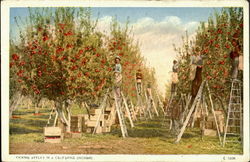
66, 58
215, 42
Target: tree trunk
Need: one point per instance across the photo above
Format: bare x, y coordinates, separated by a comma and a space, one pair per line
36, 108
84, 104
14, 103
60, 107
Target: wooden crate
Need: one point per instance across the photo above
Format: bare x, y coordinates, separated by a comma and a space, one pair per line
91, 123
209, 125
52, 134
94, 111
106, 129
197, 122
95, 117
77, 123
91, 129
108, 122
210, 132
99, 130
108, 109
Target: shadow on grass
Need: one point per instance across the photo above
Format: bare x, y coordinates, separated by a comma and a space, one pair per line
22, 126
25, 111
23, 130
154, 128
145, 129
40, 116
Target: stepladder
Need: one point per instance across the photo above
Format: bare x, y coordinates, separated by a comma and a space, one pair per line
127, 110
118, 104
102, 107
173, 113
141, 108
148, 106
160, 104
234, 123
132, 109
195, 105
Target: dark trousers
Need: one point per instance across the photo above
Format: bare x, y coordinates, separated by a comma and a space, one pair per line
139, 88
196, 82
235, 65
173, 88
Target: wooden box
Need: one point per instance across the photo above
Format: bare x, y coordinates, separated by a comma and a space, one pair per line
77, 123
91, 123
106, 129
91, 129
52, 134
95, 117
210, 132
95, 111
209, 125
108, 109
197, 122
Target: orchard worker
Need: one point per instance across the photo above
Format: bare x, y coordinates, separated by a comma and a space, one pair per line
234, 55
149, 96
118, 76
174, 77
196, 60
139, 81
149, 91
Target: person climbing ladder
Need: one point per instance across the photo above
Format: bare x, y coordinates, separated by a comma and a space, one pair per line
174, 78
196, 72
118, 76
139, 81
234, 55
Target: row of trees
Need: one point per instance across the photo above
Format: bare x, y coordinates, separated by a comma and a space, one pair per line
214, 39
61, 56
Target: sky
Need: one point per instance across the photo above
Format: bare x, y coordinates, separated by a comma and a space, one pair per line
156, 29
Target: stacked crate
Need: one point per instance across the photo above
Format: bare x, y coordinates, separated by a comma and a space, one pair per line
91, 123
210, 125
109, 117
77, 126
106, 120
77, 123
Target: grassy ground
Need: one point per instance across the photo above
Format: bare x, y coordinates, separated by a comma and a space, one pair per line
148, 137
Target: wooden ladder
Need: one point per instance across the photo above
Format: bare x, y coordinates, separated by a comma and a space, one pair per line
234, 114
127, 110
195, 104
120, 116
102, 107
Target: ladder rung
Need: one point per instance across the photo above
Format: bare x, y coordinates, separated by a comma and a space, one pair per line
237, 126
235, 111
234, 118
235, 104
236, 96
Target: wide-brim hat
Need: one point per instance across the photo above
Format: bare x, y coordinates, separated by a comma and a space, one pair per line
117, 57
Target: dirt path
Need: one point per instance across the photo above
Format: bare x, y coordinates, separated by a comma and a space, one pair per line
122, 146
